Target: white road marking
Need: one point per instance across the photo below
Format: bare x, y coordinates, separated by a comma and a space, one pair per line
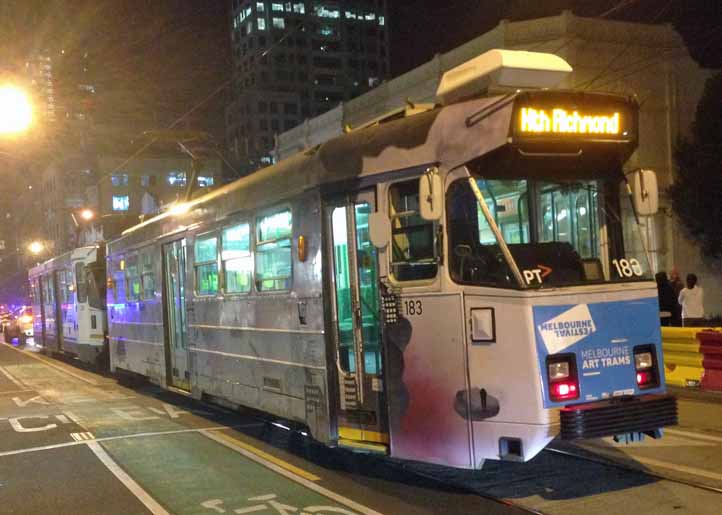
290, 475
121, 437
79, 437
22, 404
691, 434
143, 496
13, 392
53, 365
9, 376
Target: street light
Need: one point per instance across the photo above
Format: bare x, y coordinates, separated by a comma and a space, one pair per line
87, 215
16, 112
36, 247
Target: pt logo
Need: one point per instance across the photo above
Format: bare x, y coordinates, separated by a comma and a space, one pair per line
537, 274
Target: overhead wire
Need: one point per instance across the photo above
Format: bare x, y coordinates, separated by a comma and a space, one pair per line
221, 87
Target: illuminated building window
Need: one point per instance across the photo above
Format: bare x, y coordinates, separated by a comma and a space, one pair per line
236, 258
177, 178
119, 179
206, 265
288, 7
260, 7
145, 180
350, 15
323, 11
370, 16
277, 7
249, 27
382, 20
279, 23
261, 24
121, 202
326, 30
273, 252
299, 8
205, 181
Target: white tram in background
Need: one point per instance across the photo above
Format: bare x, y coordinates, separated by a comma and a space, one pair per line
458, 285
68, 298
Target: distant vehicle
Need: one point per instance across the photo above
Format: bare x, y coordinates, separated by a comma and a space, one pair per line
68, 295
5, 318
20, 326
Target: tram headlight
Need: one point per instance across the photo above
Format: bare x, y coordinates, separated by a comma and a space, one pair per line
563, 380
559, 370
645, 367
643, 360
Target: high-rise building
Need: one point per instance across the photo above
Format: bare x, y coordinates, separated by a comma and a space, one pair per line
295, 60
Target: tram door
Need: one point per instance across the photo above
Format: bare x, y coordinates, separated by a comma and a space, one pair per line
174, 292
360, 403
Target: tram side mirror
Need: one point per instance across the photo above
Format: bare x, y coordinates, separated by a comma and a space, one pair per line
430, 195
379, 229
645, 192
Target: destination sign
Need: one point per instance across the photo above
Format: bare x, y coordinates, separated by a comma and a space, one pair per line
562, 121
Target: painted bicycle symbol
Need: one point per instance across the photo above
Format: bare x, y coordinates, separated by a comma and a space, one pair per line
269, 504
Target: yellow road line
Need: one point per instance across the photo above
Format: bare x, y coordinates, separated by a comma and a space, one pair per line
265, 456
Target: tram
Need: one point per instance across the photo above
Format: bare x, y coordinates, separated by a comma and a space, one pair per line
462, 284
68, 298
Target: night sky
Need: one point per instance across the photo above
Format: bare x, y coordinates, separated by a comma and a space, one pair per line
152, 60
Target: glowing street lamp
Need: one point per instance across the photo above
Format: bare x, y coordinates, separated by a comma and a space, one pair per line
87, 215
36, 247
16, 111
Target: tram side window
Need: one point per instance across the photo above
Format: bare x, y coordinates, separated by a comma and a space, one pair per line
273, 251
81, 286
132, 279
413, 255
206, 265
65, 287
119, 286
48, 294
236, 258
147, 277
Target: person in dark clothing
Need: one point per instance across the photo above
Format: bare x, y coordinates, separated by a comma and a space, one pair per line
668, 307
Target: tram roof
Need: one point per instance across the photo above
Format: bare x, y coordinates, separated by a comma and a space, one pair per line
52, 263
447, 137
440, 136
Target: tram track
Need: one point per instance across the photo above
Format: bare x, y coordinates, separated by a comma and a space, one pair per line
630, 468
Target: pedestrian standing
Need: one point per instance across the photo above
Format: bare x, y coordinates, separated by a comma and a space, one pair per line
677, 286
692, 301
667, 300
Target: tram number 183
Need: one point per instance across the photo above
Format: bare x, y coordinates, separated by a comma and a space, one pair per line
413, 307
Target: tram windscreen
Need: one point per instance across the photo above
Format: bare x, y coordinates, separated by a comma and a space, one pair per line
558, 233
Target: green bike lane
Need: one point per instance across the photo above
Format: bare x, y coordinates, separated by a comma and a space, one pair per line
172, 455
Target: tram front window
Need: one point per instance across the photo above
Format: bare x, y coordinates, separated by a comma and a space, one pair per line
555, 233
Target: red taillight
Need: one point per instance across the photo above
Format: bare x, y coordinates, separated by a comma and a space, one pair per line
644, 378
562, 377
564, 390
645, 364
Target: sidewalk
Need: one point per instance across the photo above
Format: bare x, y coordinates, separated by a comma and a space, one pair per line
695, 394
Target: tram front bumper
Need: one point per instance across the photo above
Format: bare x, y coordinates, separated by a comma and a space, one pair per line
621, 417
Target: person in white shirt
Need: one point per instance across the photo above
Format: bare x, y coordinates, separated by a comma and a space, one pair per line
692, 301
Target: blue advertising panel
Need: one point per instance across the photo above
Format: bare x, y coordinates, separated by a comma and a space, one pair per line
602, 336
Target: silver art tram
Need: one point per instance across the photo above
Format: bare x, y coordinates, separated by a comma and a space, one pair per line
462, 284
